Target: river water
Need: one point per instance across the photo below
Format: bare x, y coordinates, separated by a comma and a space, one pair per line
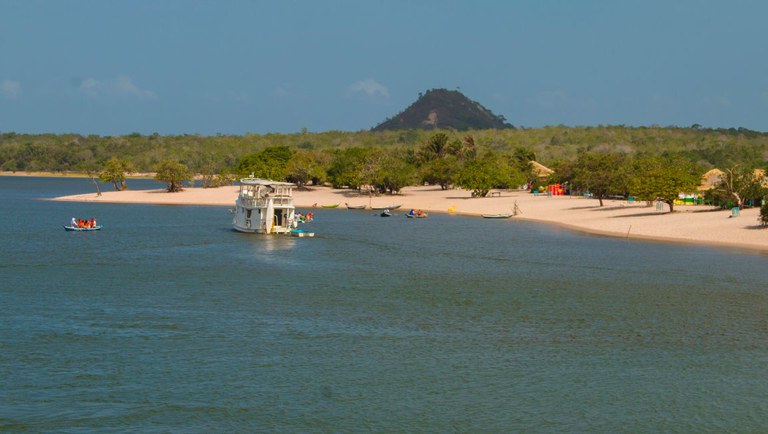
167, 320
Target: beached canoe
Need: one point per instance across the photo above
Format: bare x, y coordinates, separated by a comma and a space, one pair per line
381, 208
496, 216
354, 206
336, 205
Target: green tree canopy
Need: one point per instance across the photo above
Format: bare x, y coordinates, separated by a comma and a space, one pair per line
304, 167
114, 171
663, 179
270, 163
740, 184
346, 167
490, 171
392, 173
601, 174
173, 173
441, 172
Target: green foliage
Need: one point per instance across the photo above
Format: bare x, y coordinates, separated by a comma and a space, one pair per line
173, 173
763, 219
304, 167
391, 173
491, 171
347, 166
271, 163
601, 174
65, 152
563, 172
329, 156
114, 171
441, 172
663, 179
739, 185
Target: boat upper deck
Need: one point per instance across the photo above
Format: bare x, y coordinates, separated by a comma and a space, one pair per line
256, 192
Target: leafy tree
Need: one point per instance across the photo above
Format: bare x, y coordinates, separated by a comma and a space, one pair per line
270, 163
740, 184
391, 173
523, 156
489, 172
114, 171
173, 173
468, 148
441, 172
303, 168
436, 147
347, 165
763, 219
663, 179
563, 172
601, 174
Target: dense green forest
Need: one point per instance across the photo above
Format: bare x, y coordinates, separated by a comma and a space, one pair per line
707, 148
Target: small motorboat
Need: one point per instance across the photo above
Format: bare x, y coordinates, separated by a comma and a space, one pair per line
496, 216
386, 213
301, 233
81, 229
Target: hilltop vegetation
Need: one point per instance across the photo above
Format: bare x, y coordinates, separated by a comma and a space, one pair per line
549, 145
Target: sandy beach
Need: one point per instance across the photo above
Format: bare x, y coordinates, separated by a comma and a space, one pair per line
619, 218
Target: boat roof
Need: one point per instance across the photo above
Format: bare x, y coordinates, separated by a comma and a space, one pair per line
268, 182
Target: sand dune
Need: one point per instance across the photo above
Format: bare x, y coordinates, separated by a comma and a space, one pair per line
690, 224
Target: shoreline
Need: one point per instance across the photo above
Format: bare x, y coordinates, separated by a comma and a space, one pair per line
701, 225
21, 174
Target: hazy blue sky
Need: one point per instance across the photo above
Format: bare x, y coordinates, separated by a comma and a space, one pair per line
174, 67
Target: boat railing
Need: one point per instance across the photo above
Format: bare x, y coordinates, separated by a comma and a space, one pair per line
283, 200
261, 202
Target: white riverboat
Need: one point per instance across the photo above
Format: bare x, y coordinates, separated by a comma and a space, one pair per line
266, 207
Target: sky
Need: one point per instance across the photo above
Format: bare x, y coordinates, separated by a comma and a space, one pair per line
112, 67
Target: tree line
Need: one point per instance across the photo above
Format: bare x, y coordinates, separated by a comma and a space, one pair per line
653, 164
72, 152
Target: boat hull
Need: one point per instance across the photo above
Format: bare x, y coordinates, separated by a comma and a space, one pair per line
381, 208
76, 229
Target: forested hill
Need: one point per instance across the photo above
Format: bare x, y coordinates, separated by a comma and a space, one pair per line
442, 108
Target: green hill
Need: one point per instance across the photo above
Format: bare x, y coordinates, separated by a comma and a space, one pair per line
444, 109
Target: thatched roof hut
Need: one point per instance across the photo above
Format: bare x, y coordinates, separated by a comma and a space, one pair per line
710, 179
540, 170
715, 176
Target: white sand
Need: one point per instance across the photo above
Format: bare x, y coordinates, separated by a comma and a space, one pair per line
690, 224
